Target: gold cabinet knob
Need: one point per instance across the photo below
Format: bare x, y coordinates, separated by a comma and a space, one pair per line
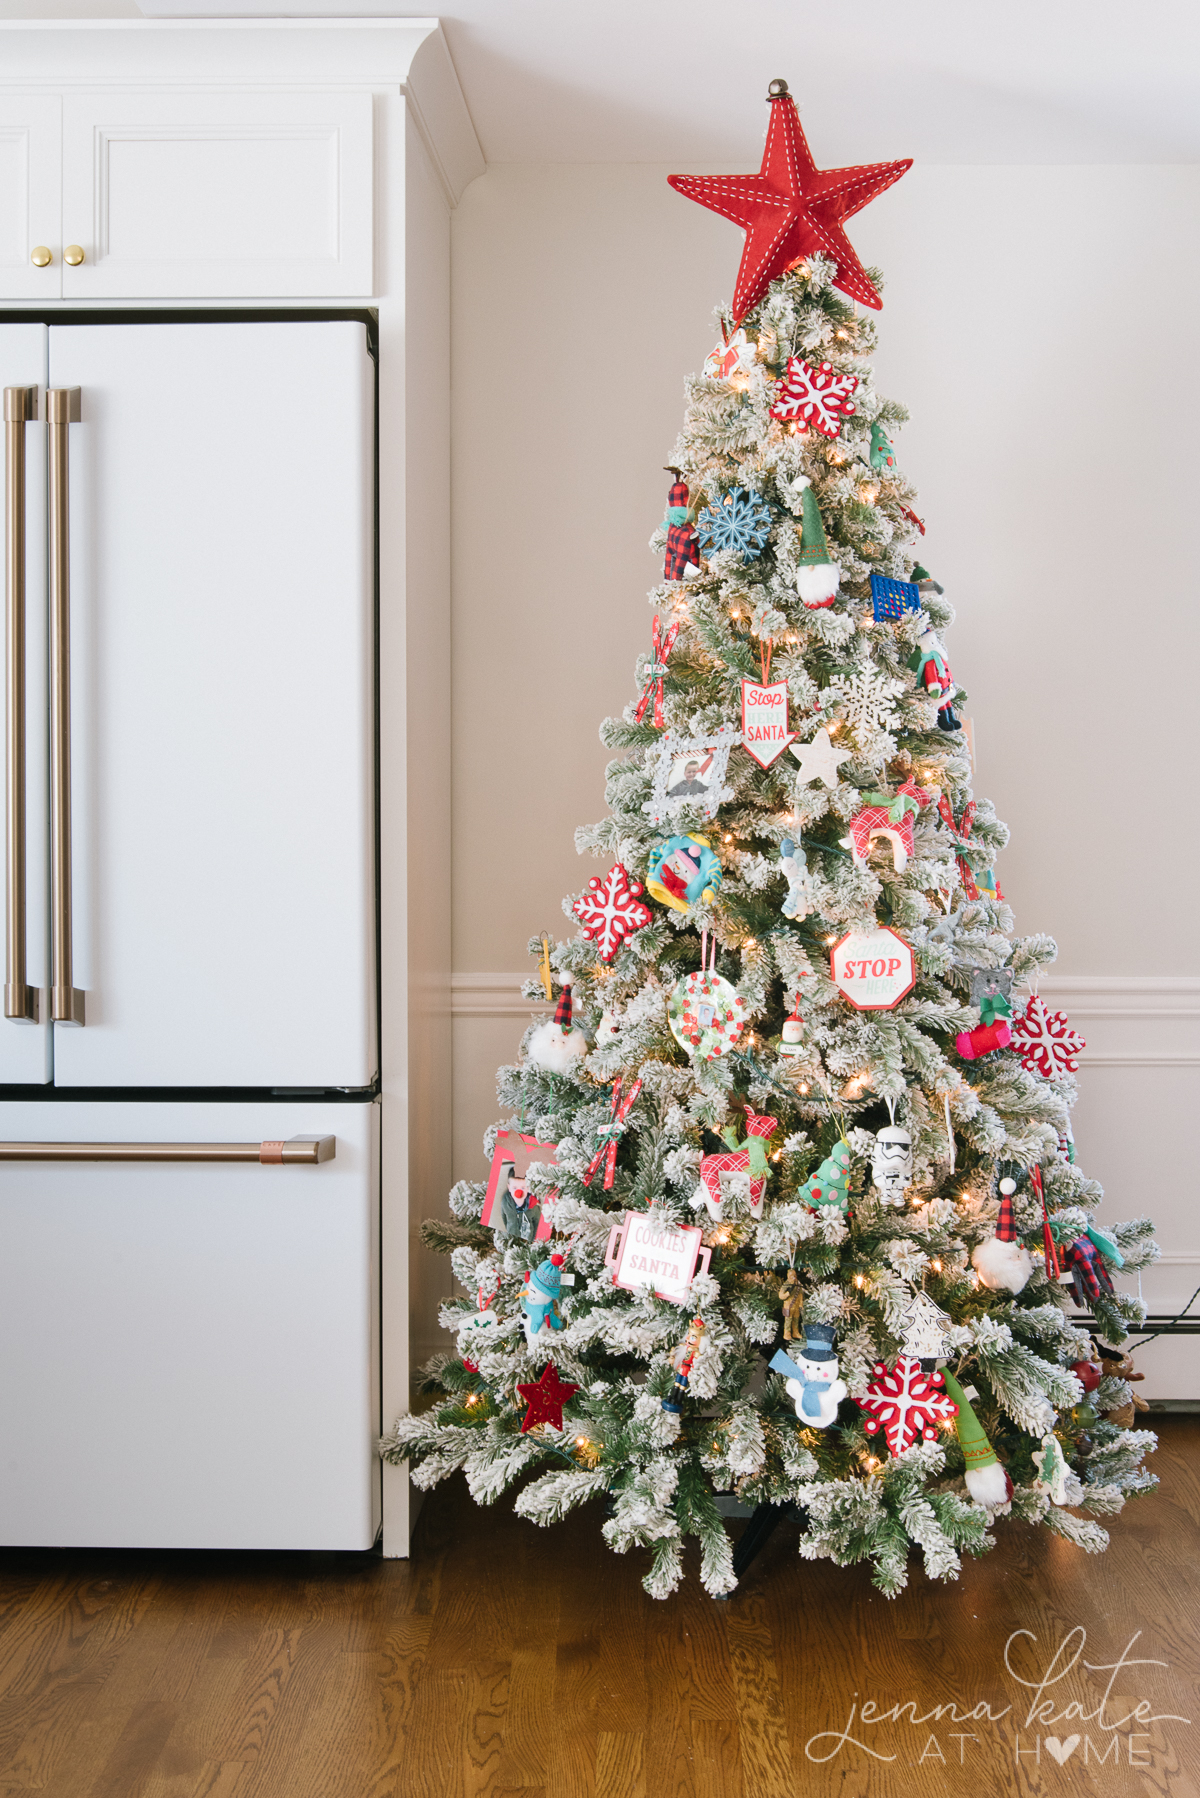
41, 257
73, 255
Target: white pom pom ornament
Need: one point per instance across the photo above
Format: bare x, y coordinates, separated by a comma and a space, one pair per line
1002, 1263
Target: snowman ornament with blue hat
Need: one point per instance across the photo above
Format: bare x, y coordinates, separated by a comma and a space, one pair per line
813, 1382
539, 1299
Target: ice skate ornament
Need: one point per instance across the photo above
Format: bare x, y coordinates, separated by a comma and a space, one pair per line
818, 397
683, 872
892, 1163
929, 664
746, 1162
960, 831
990, 989
813, 1382
801, 894
923, 1327
906, 1403
891, 817
656, 671
610, 909
819, 760
1045, 1041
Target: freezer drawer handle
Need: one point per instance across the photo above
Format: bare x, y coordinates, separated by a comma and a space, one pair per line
21, 1002
62, 410
297, 1151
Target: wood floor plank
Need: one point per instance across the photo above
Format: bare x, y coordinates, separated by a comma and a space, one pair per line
767, 1769
619, 1769
717, 1758
137, 1748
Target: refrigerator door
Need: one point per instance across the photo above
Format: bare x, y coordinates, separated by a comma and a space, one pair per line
189, 1353
221, 643
25, 1046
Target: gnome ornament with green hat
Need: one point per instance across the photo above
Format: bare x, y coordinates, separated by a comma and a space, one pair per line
816, 577
987, 1482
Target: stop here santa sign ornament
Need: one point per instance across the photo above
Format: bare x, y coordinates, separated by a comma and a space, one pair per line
873, 970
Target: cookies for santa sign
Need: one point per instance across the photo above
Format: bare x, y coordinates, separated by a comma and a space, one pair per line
765, 733
646, 1254
873, 969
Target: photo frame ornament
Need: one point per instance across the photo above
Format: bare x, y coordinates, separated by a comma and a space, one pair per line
521, 1150
706, 782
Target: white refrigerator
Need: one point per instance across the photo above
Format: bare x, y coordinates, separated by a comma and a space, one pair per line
189, 1145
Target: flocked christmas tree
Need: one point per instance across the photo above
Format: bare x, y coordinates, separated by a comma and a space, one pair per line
785, 1203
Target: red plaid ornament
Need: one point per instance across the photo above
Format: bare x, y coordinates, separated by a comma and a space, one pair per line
656, 670
610, 1134
746, 1160
960, 832
562, 1011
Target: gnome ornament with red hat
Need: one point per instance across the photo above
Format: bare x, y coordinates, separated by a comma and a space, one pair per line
683, 546
556, 1046
1003, 1263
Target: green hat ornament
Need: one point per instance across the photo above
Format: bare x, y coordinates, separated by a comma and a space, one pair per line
817, 577
987, 1481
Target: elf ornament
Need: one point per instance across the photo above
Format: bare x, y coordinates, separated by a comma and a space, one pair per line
906, 1402
683, 546
1003, 1263
555, 1046
539, 1299
813, 1381
683, 872
830, 1184
817, 576
987, 1482
928, 662
801, 894
892, 1163
990, 989
682, 1361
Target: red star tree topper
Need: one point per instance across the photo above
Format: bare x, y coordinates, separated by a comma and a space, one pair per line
546, 1398
791, 208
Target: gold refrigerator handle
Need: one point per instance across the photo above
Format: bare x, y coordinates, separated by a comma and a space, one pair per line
20, 405
62, 410
297, 1151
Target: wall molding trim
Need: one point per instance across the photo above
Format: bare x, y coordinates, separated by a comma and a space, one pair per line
492, 996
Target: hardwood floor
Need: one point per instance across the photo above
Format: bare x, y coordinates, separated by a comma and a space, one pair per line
521, 1663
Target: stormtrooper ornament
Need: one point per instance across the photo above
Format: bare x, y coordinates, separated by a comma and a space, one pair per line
892, 1163
813, 1382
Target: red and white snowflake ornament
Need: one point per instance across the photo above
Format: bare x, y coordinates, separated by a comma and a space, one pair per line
610, 910
1045, 1041
814, 396
906, 1403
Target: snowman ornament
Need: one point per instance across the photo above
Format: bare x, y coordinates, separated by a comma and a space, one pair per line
813, 1381
892, 1163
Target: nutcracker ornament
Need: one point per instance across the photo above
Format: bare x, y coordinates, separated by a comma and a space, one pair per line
892, 1163
990, 989
928, 662
813, 1381
1003, 1263
791, 1295
682, 1361
683, 546
683, 872
539, 1299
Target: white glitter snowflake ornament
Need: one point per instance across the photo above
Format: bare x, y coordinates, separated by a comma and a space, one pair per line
869, 702
1045, 1041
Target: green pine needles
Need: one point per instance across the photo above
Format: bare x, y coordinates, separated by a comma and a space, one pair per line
653, 1472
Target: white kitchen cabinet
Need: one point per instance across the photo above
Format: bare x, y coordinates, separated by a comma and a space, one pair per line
227, 193
30, 196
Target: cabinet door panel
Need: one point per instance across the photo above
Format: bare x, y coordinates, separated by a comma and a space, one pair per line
24, 1047
222, 713
218, 193
30, 195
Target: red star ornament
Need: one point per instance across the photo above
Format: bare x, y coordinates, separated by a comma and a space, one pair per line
546, 1398
791, 208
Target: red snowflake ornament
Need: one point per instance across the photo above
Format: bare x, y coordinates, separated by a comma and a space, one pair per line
546, 1398
1045, 1041
814, 396
610, 910
907, 1403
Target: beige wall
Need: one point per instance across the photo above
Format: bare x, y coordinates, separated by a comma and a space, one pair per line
1040, 323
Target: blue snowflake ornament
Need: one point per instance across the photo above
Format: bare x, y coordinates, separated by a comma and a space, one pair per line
740, 520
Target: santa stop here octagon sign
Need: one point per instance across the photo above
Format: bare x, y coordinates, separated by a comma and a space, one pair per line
873, 970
